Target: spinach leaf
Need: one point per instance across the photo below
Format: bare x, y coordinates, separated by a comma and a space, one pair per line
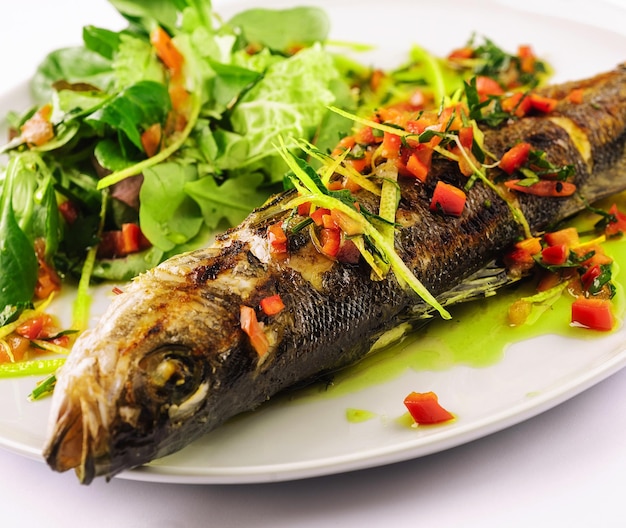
136, 107
168, 217
128, 267
283, 29
18, 261
145, 12
102, 41
230, 82
72, 65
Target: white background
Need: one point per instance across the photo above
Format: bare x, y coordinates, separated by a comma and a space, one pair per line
566, 467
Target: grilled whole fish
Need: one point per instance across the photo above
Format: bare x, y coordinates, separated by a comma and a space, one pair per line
169, 361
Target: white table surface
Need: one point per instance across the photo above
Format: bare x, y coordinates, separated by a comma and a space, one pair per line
566, 467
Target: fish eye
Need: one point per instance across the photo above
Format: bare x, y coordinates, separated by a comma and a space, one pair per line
170, 374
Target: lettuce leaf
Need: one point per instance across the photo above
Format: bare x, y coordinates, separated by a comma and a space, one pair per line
289, 102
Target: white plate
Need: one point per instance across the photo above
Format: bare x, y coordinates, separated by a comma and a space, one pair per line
310, 437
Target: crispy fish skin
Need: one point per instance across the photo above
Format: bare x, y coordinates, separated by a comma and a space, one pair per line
169, 362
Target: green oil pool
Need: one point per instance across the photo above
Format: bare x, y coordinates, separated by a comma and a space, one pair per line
477, 335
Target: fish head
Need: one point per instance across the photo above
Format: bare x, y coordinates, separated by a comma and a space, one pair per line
134, 388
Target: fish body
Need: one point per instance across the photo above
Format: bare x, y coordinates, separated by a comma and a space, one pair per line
169, 360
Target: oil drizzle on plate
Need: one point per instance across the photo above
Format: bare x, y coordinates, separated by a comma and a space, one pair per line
477, 336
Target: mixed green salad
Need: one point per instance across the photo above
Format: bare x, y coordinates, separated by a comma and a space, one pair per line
142, 142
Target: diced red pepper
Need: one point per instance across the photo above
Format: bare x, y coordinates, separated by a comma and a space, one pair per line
391, 146
415, 167
277, 238
527, 58
590, 275
365, 136
36, 327
517, 104
151, 139
48, 280
304, 209
576, 96
568, 236
488, 86
359, 164
466, 137
595, 314
328, 221
619, 225
318, 215
545, 188
131, 238
515, 158
180, 99
555, 255
122, 242
272, 305
253, 329
345, 143
166, 50
461, 53
330, 240
542, 104
448, 199
425, 408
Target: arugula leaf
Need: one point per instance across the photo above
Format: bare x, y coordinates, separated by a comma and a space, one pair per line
233, 200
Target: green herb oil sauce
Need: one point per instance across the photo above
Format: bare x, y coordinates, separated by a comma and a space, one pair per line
478, 334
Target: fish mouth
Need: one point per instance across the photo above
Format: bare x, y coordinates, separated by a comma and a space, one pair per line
69, 448
77, 432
